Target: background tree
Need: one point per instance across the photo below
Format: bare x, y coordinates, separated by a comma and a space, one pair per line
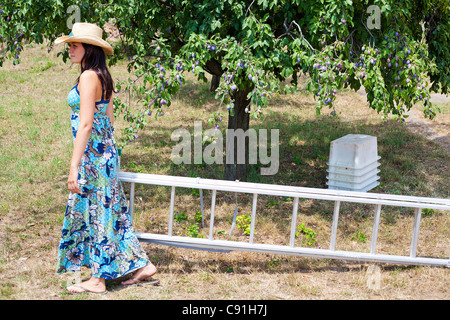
397, 50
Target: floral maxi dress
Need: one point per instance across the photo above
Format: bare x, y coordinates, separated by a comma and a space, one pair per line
97, 230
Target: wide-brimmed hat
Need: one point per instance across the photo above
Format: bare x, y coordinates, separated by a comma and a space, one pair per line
86, 33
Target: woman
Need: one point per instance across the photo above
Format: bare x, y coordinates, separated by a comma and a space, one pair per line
97, 230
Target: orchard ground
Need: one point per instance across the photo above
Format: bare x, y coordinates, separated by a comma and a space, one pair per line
36, 145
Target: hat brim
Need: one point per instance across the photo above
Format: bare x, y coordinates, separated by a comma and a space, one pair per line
89, 40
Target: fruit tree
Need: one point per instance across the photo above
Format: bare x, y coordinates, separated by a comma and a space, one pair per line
397, 50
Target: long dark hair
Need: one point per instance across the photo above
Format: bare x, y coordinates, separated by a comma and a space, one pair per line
94, 59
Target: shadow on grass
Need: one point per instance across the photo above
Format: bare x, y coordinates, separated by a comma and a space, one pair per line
220, 263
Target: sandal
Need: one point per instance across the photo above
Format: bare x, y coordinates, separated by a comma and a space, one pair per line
144, 282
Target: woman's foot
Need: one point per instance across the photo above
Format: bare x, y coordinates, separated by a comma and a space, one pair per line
94, 285
140, 275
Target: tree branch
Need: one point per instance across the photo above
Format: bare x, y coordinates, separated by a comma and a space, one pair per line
288, 31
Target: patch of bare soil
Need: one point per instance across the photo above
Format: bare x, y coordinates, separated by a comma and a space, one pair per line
437, 130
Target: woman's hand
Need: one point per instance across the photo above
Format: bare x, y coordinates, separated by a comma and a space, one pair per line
72, 181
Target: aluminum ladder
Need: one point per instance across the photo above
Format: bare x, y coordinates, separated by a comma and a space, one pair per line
337, 196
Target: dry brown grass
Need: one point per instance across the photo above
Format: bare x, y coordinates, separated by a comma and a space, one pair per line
36, 147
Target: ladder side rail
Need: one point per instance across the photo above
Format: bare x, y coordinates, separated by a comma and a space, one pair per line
325, 195
249, 187
203, 243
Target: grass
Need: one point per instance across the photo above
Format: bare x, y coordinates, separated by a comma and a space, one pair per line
35, 150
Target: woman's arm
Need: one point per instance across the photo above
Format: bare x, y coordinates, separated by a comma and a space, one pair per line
87, 87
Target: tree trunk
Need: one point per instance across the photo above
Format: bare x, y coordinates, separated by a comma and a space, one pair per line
234, 170
240, 120
215, 82
214, 68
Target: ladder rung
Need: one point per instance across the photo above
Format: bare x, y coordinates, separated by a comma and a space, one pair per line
294, 222
172, 203
415, 235
211, 220
253, 221
376, 223
337, 205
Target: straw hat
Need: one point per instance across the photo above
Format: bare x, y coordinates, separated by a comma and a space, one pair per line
86, 33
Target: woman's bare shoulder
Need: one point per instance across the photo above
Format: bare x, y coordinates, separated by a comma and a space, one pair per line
88, 76
89, 81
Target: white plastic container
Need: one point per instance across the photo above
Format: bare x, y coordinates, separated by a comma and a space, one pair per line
351, 187
352, 171
354, 151
348, 178
353, 163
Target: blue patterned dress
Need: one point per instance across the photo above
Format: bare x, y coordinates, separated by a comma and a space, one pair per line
97, 230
